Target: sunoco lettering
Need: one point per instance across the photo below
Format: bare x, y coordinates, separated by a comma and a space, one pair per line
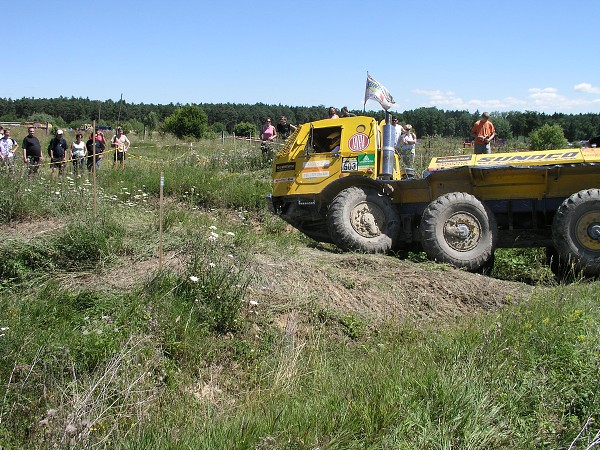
537, 157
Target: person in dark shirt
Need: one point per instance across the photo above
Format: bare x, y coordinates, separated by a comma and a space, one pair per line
284, 129
32, 152
94, 147
57, 149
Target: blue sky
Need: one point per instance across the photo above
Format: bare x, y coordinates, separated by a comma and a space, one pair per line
537, 55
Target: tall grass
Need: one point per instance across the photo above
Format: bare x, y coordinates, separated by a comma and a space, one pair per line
183, 359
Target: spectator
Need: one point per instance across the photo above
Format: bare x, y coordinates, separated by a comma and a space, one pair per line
78, 151
121, 144
57, 149
284, 129
94, 148
8, 146
483, 131
332, 113
268, 132
267, 135
32, 152
409, 141
1, 132
398, 130
345, 113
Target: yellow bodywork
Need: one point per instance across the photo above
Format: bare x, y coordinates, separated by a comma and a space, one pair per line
301, 168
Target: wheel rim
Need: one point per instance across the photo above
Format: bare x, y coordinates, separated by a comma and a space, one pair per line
587, 231
367, 219
462, 231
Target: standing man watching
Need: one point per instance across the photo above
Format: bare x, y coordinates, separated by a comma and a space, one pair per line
483, 131
398, 130
283, 128
8, 146
57, 149
32, 152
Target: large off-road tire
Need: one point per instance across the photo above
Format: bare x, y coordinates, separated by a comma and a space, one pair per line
458, 229
362, 219
576, 232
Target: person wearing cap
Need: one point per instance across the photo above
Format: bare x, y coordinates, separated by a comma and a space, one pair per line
483, 131
409, 142
57, 150
121, 144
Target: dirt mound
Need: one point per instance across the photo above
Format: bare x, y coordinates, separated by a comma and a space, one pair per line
373, 287
376, 287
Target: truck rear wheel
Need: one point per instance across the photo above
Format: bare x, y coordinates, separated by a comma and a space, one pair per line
576, 231
361, 218
458, 229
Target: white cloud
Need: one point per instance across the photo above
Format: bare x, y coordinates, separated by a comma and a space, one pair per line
547, 99
586, 88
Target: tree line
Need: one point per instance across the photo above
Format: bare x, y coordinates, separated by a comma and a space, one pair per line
73, 112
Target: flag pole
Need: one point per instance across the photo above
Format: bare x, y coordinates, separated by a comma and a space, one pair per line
366, 89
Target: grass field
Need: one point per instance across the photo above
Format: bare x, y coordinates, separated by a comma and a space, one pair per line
100, 346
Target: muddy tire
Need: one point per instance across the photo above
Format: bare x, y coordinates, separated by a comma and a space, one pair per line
458, 229
576, 232
362, 219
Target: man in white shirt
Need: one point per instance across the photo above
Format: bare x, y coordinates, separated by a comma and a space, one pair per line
398, 132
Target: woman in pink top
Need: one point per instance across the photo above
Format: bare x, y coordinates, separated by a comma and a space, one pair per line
268, 132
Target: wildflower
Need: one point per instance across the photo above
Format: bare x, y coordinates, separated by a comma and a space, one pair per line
213, 236
253, 303
57, 192
229, 233
194, 279
70, 429
212, 227
211, 265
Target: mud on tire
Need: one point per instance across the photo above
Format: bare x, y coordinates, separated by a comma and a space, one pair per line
458, 229
362, 219
576, 232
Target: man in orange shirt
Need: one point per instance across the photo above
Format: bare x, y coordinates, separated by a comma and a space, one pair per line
483, 131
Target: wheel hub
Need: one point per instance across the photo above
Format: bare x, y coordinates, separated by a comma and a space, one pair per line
462, 231
587, 231
367, 219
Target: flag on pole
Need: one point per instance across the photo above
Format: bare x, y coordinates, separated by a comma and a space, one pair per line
376, 91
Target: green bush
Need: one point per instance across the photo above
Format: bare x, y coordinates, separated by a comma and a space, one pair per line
187, 121
245, 129
547, 137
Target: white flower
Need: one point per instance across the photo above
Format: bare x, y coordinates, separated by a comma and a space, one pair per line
211, 264
253, 303
229, 233
213, 236
194, 279
57, 192
3, 329
212, 227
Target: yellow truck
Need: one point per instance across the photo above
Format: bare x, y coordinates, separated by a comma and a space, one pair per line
340, 181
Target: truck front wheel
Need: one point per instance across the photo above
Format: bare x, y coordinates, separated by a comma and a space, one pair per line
458, 229
361, 218
576, 232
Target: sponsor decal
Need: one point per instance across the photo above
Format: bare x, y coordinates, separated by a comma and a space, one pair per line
350, 164
365, 161
285, 167
358, 142
284, 180
524, 157
318, 163
452, 159
321, 174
